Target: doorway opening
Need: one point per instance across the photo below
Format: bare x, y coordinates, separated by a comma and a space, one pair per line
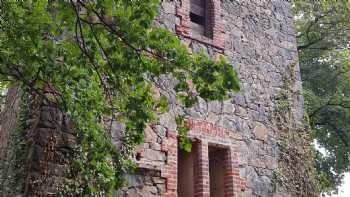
185, 174
217, 171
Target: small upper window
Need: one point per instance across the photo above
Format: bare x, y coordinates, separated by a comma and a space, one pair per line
200, 20
199, 17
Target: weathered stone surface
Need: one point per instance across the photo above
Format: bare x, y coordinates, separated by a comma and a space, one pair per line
154, 155
261, 132
257, 38
259, 41
144, 183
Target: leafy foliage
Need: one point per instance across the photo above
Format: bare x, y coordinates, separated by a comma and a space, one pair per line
102, 59
323, 44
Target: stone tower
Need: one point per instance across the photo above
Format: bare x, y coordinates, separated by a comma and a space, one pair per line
235, 150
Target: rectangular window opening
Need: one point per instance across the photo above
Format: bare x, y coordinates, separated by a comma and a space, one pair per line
185, 174
200, 20
217, 171
198, 16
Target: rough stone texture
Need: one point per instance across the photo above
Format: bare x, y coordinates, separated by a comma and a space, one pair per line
44, 146
51, 140
259, 41
258, 38
144, 182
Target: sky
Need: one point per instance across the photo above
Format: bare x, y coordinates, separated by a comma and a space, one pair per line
344, 190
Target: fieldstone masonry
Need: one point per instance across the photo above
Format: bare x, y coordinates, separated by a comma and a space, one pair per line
51, 141
258, 38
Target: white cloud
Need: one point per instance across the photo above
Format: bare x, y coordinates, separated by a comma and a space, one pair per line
344, 190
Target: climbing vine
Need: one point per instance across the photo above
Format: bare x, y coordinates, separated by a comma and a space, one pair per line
100, 60
296, 171
13, 163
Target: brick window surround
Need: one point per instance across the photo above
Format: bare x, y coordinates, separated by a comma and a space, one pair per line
214, 24
206, 135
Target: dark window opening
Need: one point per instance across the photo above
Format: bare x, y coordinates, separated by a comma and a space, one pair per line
217, 171
198, 16
197, 19
185, 174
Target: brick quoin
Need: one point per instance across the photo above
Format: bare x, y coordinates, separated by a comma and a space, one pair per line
169, 171
201, 170
204, 134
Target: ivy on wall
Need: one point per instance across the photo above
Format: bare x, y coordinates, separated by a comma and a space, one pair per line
296, 168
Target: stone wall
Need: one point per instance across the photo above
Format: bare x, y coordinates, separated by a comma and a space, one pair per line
51, 140
259, 40
37, 142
